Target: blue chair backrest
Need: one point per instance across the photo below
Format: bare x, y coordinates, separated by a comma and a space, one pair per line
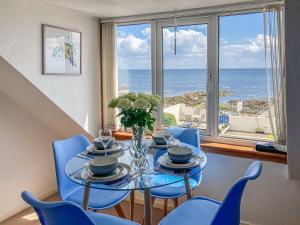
57, 213
189, 136
63, 151
229, 211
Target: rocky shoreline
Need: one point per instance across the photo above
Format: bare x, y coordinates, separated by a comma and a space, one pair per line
191, 99
198, 99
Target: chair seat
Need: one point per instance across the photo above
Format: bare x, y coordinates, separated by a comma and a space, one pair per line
168, 192
174, 190
104, 219
196, 211
99, 199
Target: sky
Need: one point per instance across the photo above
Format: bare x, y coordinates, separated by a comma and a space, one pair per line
241, 43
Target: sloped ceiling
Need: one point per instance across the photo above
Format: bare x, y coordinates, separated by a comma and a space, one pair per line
22, 92
117, 8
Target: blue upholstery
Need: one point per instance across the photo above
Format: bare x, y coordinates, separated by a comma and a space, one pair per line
189, 136
64, 150
204, 211
68, 213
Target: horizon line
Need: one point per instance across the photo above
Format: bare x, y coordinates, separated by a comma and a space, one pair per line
191, 68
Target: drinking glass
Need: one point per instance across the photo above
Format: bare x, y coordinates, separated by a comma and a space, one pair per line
105, 136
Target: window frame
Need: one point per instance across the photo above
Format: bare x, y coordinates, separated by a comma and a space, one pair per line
159, 84
212, 21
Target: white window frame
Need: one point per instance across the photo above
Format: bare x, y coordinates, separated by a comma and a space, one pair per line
158, 89
212, 21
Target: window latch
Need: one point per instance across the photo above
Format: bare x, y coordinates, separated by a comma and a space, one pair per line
209, 78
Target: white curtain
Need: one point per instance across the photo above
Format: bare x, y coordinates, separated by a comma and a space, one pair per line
109, 73
276, 73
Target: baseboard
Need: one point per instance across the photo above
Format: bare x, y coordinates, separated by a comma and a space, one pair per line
245, 223
24, 205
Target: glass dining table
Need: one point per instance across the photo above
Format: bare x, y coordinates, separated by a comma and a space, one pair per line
155, 176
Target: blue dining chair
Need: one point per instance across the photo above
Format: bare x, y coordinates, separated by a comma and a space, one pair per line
189, 136
69, 213
205, 211
64, 150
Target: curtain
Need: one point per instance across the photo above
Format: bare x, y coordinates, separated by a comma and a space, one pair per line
108, 73
276, 73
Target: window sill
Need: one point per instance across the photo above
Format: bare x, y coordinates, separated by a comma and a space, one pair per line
225, 149
123, 136
243, 152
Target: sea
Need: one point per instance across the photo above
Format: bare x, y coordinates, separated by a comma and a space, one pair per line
243, 84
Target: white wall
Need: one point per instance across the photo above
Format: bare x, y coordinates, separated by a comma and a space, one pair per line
20, 45
26, 157
249, 123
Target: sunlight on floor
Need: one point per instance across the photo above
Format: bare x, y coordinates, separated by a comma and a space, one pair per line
30, 217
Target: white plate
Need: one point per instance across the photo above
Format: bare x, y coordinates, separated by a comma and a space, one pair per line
117, 146
165, 161
173, 142
121, 171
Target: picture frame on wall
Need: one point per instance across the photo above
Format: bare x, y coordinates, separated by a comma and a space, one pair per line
61, 51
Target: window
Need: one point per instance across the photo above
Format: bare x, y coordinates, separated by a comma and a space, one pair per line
243, 104
134, 58
215, 81
185, 76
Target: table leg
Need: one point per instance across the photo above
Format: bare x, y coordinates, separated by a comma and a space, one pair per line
86, 197
187, 187
131, 205
147, 206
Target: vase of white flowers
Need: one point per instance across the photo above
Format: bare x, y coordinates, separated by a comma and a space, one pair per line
136, 113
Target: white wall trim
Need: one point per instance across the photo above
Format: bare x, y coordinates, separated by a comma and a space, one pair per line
19, 208
245, 223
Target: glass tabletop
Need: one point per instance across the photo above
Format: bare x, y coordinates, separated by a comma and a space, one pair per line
155, 176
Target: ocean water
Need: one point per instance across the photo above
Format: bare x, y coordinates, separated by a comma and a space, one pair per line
243, 83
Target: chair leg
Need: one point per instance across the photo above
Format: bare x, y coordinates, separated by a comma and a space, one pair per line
120, 211
131, 205
143, 218
165, 206
175, 201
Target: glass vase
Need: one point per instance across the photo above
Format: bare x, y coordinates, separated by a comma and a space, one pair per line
139, 149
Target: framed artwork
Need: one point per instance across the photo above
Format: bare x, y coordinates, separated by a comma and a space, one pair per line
61, 51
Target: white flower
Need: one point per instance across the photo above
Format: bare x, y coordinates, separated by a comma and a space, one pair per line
131, 96
153, 100
143, 95
124, 103
113, 103
141, 103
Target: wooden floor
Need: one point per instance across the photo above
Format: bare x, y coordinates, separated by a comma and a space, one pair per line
28, 217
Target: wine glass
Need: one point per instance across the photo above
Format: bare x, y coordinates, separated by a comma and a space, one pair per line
105, 136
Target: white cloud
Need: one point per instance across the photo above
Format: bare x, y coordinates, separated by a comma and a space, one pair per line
246, 54
134, 52
131, 45
187, 41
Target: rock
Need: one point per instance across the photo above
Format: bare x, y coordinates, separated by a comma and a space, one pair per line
191, 99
